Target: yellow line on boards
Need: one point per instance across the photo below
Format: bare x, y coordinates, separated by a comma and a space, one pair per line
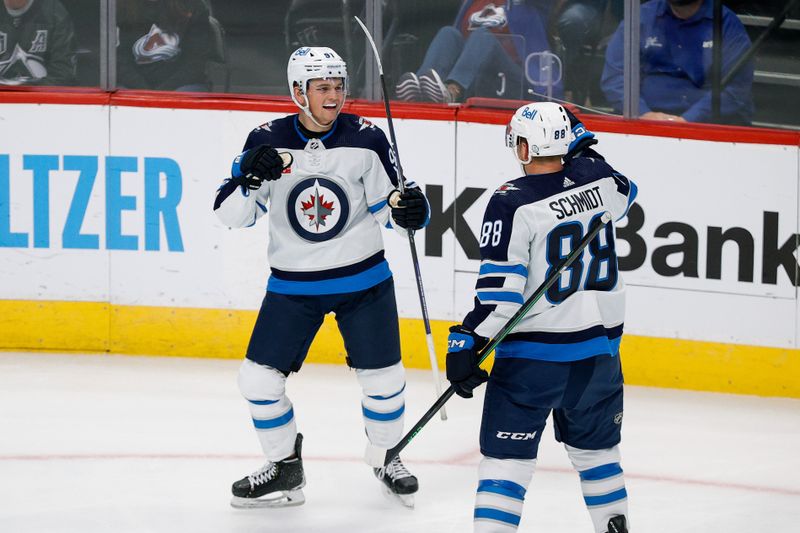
224, 333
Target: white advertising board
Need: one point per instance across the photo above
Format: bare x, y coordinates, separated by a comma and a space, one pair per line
126, 217
51, 202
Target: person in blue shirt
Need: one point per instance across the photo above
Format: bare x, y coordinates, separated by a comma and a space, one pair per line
484, 53
676, 40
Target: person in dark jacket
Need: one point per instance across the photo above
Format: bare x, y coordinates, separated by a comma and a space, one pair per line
163, 45
37, 43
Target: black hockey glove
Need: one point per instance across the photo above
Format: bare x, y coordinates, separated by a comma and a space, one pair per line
409, 209
583, 137
257, 164
463, 371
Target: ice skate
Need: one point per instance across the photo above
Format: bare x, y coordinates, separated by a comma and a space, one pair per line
617, 525
397, 482
273, 485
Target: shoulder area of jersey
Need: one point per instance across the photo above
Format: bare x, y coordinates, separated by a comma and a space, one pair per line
358, 123
585, 163
273, 125
507, 189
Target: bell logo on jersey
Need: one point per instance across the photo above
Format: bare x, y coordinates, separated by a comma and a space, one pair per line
318, 209
508, 435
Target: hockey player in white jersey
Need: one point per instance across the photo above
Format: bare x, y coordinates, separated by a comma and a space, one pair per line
329, 183
563, 357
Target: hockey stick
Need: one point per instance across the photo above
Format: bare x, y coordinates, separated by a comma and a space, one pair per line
380, 457
401, 179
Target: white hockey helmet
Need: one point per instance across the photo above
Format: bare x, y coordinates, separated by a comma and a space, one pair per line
545, 127
310, 63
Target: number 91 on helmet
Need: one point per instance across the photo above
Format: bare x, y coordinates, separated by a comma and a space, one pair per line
544, 126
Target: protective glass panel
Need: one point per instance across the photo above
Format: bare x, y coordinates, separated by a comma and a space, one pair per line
413, 41
776, 60
167, 45
587, 32
49, 43
677, 60
482, 50
230, 46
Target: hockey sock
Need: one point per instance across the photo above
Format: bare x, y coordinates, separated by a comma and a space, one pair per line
383, 403
602, 484
502, 484
273, 416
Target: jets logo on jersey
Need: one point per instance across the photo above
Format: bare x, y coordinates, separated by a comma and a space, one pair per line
506, 188
317, 209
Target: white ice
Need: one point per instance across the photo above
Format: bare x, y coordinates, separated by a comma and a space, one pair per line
97, 443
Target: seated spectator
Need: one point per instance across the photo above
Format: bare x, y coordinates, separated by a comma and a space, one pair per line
485, 43
163, 45
37, 43
676, 55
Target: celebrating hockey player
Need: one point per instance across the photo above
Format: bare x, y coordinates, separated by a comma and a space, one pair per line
564, 355
329, 181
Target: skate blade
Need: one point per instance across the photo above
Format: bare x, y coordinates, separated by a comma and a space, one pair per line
289, 498
406, 500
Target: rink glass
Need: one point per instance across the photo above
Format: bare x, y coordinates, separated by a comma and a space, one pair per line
248, 42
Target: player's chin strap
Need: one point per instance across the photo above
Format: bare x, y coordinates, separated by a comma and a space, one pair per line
307, 111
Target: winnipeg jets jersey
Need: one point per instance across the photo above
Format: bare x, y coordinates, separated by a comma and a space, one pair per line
326, 210
530, 225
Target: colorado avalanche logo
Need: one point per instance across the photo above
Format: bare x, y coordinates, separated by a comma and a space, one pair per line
317, 209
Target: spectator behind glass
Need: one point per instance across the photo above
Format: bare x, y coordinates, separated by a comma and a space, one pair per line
676, 53
485, 41
163, 44
37, 43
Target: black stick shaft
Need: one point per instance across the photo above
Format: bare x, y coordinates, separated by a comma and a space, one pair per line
497, 339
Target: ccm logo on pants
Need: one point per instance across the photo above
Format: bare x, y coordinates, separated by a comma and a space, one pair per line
515, 436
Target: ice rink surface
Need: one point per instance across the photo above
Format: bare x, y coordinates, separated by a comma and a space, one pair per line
97, 443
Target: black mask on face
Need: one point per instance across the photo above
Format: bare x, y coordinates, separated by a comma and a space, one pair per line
681, 3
